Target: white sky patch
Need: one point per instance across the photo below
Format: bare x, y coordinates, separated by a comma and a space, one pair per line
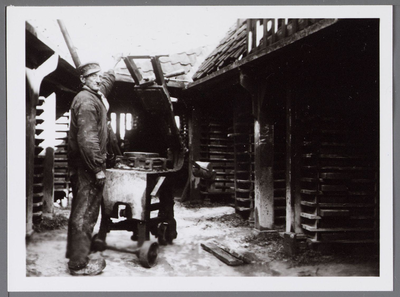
100, 34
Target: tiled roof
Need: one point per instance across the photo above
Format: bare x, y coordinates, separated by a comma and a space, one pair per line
188, 61
230, 49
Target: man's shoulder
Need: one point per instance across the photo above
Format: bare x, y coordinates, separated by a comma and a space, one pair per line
84, 97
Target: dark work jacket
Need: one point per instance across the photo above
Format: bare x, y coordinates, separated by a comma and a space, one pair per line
88, 134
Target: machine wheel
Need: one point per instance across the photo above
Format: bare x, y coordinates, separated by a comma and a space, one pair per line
148, 254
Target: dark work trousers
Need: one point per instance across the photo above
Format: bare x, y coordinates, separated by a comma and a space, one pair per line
85, 207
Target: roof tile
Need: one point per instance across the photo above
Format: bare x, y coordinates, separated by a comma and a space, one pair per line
230, 48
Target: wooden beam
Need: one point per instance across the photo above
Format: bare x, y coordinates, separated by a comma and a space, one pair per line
263, 153
289, 162
48, 178
133, 70
30, 161
221, 254
194, 125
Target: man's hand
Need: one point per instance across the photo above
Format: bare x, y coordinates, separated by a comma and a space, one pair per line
100, 179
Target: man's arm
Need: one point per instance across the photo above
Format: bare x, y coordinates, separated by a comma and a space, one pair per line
107, 82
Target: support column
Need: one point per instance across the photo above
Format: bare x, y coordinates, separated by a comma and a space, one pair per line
263, 153
289, 163
293, 167
48, 181
194, 152
30, 160
264, 175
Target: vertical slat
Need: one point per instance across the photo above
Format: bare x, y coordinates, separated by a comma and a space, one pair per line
284, 28
273, 33
294, 25
265, 32
248, 30
118, 125
155, 61
254, 31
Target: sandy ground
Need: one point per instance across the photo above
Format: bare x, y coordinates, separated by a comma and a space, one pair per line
185, 257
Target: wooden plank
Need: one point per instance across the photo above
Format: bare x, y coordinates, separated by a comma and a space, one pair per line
312, 240
213, 192
338, 205
244, 258
221, 254
217, 153
243, 199
334, 212
240, 208
157, 187
314, 229
310, 216
133, 70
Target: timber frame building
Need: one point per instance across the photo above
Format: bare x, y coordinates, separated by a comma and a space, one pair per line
286, 112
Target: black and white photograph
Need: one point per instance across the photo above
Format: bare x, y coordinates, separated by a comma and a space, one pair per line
200, 148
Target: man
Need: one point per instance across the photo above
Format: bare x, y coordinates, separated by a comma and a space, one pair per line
87, 154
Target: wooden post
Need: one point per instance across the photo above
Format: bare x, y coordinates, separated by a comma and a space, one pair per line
30, 159
289, 164
248, 30
264, 177
293, 166
194, 151
118, 126
48, 181
70, 45
296, 170
265, 32
263, 154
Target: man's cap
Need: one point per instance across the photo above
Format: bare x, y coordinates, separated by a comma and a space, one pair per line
89, 68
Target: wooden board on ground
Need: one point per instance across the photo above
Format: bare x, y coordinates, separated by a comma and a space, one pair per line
221, 254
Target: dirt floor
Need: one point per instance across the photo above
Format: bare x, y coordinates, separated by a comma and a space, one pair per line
185, 257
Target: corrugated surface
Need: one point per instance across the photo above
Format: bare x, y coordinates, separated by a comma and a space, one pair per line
229, 50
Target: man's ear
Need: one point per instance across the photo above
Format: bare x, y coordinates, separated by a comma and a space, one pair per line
83, 79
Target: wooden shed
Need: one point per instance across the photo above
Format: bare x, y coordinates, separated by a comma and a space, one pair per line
286, 111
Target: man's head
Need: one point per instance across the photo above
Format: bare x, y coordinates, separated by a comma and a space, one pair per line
90, 75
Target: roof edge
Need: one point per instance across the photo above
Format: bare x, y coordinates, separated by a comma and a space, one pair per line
252, 57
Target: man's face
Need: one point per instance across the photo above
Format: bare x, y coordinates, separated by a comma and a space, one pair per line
92, 81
